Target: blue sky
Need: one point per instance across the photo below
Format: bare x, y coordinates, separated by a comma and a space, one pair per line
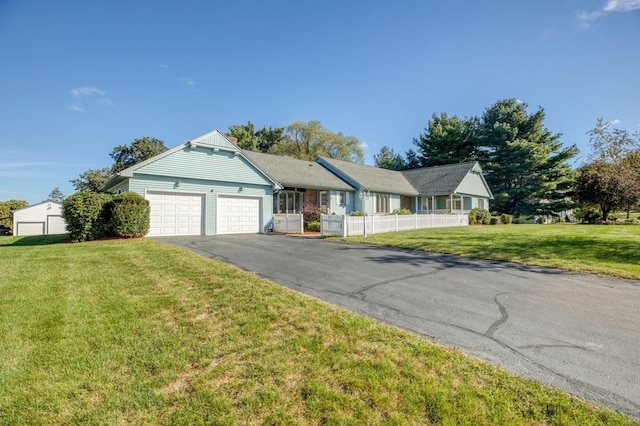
78, 78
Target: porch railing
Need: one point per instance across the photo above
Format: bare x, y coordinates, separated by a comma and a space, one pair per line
347, 226
290, 223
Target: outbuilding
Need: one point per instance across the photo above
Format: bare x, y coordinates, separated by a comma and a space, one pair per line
44, 218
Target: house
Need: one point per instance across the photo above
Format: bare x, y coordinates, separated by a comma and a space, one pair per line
206, 186
453, 188
44, 218
209, 186
450, 188
306, 185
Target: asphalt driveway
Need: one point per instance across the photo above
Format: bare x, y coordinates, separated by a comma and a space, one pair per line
577, 332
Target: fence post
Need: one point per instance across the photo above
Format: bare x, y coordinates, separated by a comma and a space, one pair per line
344, 226
301, 224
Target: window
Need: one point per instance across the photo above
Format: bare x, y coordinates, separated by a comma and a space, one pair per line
342, 198
288, 202
481, 204
454, 204
382, 203
323, 200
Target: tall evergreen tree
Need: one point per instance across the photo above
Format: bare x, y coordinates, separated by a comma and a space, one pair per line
447, 140
525, 164
388, 159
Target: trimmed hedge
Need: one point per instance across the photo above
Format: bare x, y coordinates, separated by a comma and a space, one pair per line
84, 214
506, 219
128, 215
92, 215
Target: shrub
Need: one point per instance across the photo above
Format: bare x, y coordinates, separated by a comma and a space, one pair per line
313, 226
401, 211
479, 217
506, 219
83, 212
494, 220
127, 215
587, 214
358, 214
309, 216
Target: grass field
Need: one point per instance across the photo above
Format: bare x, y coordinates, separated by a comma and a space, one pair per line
139, 332
600, 249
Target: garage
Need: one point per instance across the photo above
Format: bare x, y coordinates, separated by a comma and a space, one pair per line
238, 215
39, 219
175, 213
24, 229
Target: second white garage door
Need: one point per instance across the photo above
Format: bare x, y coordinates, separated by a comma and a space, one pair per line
174, 213
238, 215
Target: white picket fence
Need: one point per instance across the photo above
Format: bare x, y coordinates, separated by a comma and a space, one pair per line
288, 223
347, 226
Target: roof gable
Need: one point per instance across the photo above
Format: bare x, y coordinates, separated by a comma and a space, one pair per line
369, 177
449, 179
208, 157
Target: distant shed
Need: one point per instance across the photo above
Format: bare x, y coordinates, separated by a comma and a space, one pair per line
39, 219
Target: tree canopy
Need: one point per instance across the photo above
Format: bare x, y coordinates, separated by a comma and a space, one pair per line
264, 140
525, 164
447, 140
124, 156
309, 140
388, 159
611, 180
6, 207
56, 195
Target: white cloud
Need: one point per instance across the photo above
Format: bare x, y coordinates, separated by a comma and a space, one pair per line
586, 18
189, 82
83, 93
621, 5
80, 92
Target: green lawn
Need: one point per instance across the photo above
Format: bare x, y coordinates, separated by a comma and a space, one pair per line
140, 332
601, 249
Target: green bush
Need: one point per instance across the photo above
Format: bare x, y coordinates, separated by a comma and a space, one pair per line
309, 216
587, 214
127, 215
84, 214
494, 220
358, 213
402, 211
506, 219
479, 216
313, 226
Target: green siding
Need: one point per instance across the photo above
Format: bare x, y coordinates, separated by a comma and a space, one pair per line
205, 164
472, 184
210, 189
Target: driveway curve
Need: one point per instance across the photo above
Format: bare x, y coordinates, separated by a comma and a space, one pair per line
576, 332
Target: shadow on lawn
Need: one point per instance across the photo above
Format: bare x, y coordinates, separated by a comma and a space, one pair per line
577, 248
33, 240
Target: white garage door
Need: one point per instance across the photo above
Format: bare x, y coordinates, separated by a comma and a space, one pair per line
56, 225
238, 215
30, 228
174, 213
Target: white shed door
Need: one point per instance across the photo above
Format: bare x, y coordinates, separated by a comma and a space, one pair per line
30, 228
56, 225
174, 213
238, 215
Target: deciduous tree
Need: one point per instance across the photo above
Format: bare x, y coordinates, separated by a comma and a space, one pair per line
56, 195
309, 140
6, 207
125, 156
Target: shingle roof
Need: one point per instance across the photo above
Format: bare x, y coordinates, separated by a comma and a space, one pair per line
438, 180
371, 178
295, 173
